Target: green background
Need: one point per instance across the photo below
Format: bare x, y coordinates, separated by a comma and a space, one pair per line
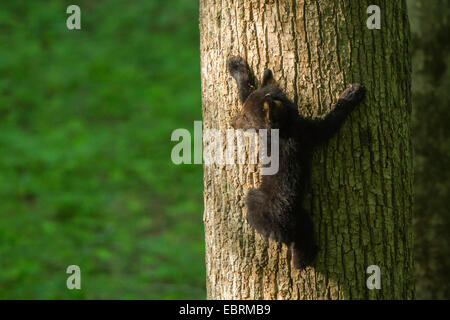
85, 171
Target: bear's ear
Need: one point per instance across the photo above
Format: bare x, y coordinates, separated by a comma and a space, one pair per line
272, 107
268, 79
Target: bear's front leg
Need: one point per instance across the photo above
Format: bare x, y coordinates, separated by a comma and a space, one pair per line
351, 96
240, 71
322, 129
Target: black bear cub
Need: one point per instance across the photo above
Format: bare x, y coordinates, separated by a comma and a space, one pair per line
275, 208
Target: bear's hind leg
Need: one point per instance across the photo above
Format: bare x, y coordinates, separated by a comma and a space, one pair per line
257, 215
304, 248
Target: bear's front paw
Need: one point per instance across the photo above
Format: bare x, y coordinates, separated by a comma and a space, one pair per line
237, 66
354, 94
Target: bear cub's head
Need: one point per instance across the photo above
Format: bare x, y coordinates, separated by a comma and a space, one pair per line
266, 108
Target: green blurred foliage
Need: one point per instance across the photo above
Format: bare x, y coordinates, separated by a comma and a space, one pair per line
85, 171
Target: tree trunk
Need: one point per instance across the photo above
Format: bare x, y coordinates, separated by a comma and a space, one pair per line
431, 73
361, 186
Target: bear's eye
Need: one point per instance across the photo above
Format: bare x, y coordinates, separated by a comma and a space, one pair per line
245, 118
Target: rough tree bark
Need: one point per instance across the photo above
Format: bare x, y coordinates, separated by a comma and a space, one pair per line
361, 194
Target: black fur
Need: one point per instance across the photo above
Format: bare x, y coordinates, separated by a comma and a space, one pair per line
275, 208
